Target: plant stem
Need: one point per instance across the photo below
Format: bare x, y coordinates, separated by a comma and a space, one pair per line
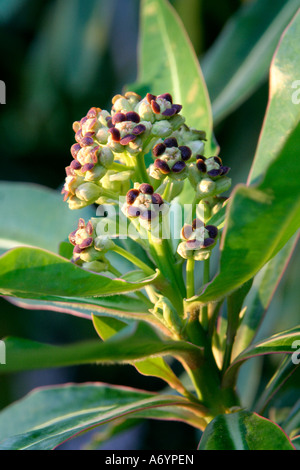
119, 167
161, 252
167, 192
134, 260
141, 169
190, 282
206, 278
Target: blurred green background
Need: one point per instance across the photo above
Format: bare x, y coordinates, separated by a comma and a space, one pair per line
58, 59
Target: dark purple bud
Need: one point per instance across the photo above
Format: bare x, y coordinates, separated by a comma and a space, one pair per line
148, 215
197, 223
133, 211
214, 173
89, 227
75, 149
162, 166
146, 189
177, 108
78, 136
128, 138
118, 117
133, 116
158, 150
212, 231
225, 170
157, 199
186, 231
109, 122
167, 97
87, 167
201, 156
132, 195
72, 237
86, 141
171, 142
186, 152
150, 97
115, 134
178, 167
218, 160
75, 165
201, 165
193, 244
155, 107
139, 129
208, 242
169, 112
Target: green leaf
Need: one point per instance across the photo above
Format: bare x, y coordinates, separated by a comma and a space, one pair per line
120, 306
244, 431
167, 63
260, 221
49, 416
58, 277
35, 216
292, 423
137, 341
107, 327
277, 344
285, 70
239, 60
282, 374
262, 291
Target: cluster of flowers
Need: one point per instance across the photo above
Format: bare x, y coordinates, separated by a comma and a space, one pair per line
104, 167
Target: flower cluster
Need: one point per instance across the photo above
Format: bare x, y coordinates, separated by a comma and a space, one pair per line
89, 247
106, 140
199, 239
109, 162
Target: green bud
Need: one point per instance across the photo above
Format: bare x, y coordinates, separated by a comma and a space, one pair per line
96, 266
162, 128
95, 174
103, 243
106, 157
88, 192
206, 187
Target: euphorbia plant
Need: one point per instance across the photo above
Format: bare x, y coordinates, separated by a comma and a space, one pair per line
152, 167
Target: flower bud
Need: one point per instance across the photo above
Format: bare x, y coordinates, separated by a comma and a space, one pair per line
144, 204
98, 266
171, 160
162, 129
208, 176
106, 157
88, 192
199, 239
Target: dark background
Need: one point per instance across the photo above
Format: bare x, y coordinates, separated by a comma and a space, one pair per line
58, 59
